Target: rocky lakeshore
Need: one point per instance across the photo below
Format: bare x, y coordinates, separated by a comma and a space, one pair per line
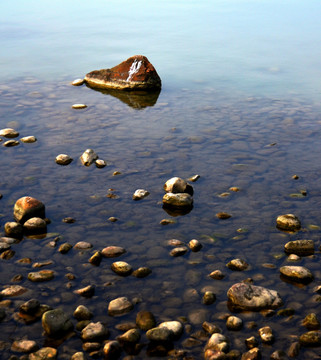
156, 249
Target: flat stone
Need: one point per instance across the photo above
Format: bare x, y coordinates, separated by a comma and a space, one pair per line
119, 306
288, 222
140, 194
135, 73
28, 139
79, 106
56, 323
11, 143
94, 332
244, 296
113, 251
42, 275
35, 225
83, 245
121, 268
297, 273
237, 265
63, 159
159, 334
24, 346
13, 290
217, 275
78, 82
300, 247
28, 207
223, 215
179, 251
9, 133
178, 200
45, 353
142, 272
88, 157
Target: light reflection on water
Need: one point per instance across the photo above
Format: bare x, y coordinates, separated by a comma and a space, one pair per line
230, 110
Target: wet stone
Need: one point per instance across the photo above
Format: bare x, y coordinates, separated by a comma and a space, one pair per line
278, 355
121, 268
244, 296
56, 323
63, 159
130, 336
112, 349
78, 82
28, 207
4, 247
209, 298
28, 139
217, 275
13, 290
113, 251
44, 353
24, 346
251, 342
100, 163
11, 143
9, 133
252, 354
119, 306
87, 291
158, 334
64, 248
237, 265
96, 258
175, 327
311, 322
218, 342
311, 338
288, 222
175, 185
140, 194
211, 328
266, 334
83, 245
35, 225
179, 251
68, 220
40, 276
142, 272
234, 323
82, 313
79, 106
145, 320
178, 200
94, 332
223, 215
294, 349
300, 247
195, 245
78, 356
13, 229
297, 273
88, 157
30, 307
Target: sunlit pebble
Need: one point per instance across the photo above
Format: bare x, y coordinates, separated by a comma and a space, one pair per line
63, 159
10, 143
9, 133
100, 163
295, 177
113, 219
234, 188
79, 106
167, 221
116, 173
293, 257
28, 139
78, 82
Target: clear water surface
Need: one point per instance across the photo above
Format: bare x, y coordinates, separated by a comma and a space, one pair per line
240, 106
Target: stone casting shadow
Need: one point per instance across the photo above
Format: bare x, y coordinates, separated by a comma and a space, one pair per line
136, 99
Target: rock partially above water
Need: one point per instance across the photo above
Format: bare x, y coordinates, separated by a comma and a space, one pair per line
119, 306
243, 296
135, 73
297, 273
9, 133
63, 159
56, 323
28, 207
178, 200
288, 222
300, 247
88, 157
140, 194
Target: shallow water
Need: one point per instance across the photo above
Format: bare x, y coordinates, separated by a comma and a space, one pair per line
255, 136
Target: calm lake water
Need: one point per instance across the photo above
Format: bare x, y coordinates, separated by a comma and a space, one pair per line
240, 106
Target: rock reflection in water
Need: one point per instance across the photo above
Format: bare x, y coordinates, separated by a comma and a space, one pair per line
135, 99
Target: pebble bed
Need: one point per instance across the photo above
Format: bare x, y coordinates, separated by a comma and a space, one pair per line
249, 160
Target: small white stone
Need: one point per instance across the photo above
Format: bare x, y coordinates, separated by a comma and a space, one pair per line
78, 82
100, 163
140, 194
79, 106
88, 157
63, 159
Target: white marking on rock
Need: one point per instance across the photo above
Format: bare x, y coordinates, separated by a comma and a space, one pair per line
134, 69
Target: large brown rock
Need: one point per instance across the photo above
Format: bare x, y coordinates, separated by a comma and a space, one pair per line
28, 207
135, 73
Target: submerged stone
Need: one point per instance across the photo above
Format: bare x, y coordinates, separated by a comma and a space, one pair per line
244, 296
135, 73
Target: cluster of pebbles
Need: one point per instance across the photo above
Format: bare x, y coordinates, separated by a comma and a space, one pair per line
29, 216
87, 158
12, 134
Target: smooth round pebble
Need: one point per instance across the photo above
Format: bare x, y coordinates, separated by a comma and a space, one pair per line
100, 163
121, 268
28, 139
79, 106
63, 159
